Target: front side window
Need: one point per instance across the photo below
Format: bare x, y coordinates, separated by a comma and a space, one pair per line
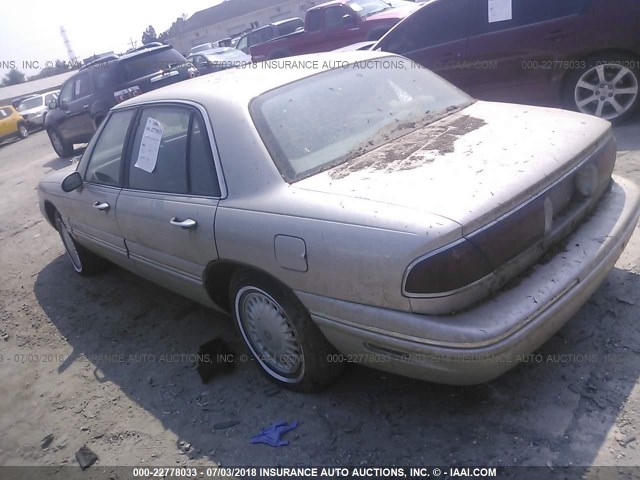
321, 121
66, 94
242, 43
106, 157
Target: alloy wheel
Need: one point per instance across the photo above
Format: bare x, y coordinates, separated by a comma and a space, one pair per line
608, 91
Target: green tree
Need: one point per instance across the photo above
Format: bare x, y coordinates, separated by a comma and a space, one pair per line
14, 77
149, 35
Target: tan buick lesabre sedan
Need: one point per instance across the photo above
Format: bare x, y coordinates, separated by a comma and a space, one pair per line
353, 207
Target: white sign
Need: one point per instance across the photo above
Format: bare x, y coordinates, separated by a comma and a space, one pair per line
150, 145
500, 10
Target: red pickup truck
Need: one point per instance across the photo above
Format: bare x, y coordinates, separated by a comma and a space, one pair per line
333, 25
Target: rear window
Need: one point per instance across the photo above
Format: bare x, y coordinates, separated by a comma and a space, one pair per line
150, 63
321, 121
289, 27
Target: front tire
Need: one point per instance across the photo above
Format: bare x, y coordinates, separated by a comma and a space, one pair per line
63, 148
280, 335
608, 87
84, 262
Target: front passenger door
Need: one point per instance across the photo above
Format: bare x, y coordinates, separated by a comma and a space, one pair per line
168, 207
92, 208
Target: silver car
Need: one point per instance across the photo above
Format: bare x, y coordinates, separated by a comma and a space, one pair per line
34, 109
353, 207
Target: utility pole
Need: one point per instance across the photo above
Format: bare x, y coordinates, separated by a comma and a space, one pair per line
132, 43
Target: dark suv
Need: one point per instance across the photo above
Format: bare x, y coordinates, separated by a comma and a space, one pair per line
85, 99
584, 53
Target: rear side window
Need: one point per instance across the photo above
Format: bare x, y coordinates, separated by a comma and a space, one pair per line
106, 157
435, 24
147, 64
528, 12
171, 153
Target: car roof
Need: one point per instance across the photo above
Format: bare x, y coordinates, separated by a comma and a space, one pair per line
327, 4
241, 85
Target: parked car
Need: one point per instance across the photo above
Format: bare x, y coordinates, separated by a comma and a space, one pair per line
218, 59
580, 53
377, 215
332, 25
34, 109
202, 47
86, 97
269, 32
12, 124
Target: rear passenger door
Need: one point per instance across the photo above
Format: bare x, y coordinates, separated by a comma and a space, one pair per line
167, 209
524, 53
436, 37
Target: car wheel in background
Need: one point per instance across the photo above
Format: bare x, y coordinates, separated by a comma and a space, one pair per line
23, 131
608, 87
63, 148
83, 261
280, 335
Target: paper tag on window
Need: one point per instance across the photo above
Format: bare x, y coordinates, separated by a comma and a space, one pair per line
150, 145
500, 10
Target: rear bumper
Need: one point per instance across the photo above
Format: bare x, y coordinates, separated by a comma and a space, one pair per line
482, 343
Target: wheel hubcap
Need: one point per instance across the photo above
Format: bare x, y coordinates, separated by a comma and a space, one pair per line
23, 131
269, 334
70, 247
607, 91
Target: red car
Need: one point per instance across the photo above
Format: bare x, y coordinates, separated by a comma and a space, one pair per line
333, 25
584, 53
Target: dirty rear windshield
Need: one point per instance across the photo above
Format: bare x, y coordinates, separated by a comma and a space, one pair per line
324, 120
147, 64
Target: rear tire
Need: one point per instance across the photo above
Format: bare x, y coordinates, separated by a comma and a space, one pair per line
83, 261
608, 87
62, 148
280, 335
23, 131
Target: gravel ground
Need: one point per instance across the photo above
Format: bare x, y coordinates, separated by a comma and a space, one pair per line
106, 362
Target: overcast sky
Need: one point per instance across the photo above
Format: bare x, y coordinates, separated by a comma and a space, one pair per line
30, 29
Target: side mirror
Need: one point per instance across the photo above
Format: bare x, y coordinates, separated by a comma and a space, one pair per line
72, 182
349, 20
53, 104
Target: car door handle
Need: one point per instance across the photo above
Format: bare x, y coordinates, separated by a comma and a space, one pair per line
559, 34
188, 223
101, 206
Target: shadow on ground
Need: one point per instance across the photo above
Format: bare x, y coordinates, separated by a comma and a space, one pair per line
555, 409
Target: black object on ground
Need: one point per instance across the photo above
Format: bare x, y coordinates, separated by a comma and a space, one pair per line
46, 441
86, 457
225, 425
215, 357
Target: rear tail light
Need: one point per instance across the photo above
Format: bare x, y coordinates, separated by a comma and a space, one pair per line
449, 269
